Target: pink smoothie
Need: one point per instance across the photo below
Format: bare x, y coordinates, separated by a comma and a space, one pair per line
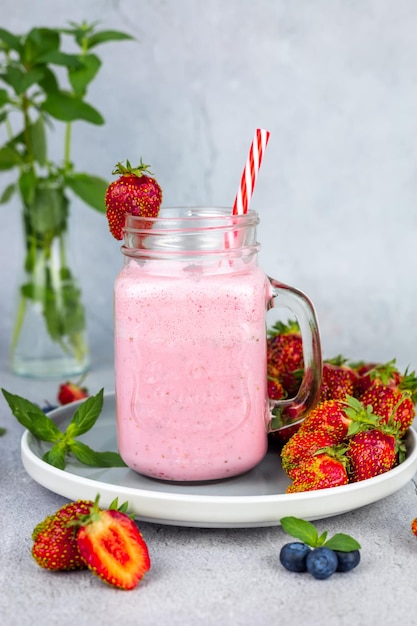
190, 365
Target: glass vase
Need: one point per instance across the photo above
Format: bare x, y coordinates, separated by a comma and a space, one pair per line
49, 338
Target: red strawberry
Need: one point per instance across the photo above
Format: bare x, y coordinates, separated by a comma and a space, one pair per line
301, 446
414, 526
70, 392
134, 192
330, 416
113, 548
385, 373
338, 379
275, 389
393, 403
285, 355
55, 539
320, 471
371, 453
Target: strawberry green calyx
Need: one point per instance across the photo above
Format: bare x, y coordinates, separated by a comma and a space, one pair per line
140, 170
408, 385
95, 511
338, 360
280, 328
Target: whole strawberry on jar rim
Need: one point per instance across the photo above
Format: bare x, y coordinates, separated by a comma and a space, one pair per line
135, 192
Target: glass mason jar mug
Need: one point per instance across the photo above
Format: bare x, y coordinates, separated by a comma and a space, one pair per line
190, 346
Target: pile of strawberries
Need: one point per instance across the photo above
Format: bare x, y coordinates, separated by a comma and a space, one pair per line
81, 535
356, 431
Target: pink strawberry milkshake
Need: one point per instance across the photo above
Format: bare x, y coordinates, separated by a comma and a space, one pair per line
190, 365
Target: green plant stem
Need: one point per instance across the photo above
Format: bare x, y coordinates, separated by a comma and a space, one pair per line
21, 310
67, 146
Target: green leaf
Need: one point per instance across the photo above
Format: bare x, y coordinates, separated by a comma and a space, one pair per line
30, 78
49, 82
32, 418
303, 530
12, 42
38, 141
27, 185
86, 455
86, 415
307, 532
68, 108
38, 42
343, 543
7, 193
4, 97
63, 59
9, 158
56, 456
91, 189
47, 212
321, 540
82, 75
43, 427
104, 36
13, 76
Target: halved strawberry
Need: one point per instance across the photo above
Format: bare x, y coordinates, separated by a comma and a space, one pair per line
113, 548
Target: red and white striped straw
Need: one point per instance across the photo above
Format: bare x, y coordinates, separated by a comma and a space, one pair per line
250, 173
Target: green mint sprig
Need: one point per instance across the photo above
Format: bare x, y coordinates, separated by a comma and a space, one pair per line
308, 533
65, 444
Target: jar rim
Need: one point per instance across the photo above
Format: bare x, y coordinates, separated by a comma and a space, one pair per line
184, 217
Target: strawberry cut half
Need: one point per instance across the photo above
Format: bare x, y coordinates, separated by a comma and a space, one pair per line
113, 548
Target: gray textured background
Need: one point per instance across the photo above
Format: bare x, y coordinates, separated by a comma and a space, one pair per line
335, 82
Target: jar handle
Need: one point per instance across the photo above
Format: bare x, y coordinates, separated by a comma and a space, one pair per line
286, 413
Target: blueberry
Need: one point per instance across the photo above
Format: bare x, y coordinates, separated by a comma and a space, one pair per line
321, 562
293, 556
48, 407
347, 560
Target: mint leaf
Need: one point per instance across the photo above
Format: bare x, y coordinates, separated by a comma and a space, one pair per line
44, 428
86, 415
33, 418
86, 455
307, 532
91, 189
67, 108
56, 456
321, 540
301, 529
342, 543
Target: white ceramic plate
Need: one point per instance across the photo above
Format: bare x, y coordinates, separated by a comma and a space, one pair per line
257, 498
